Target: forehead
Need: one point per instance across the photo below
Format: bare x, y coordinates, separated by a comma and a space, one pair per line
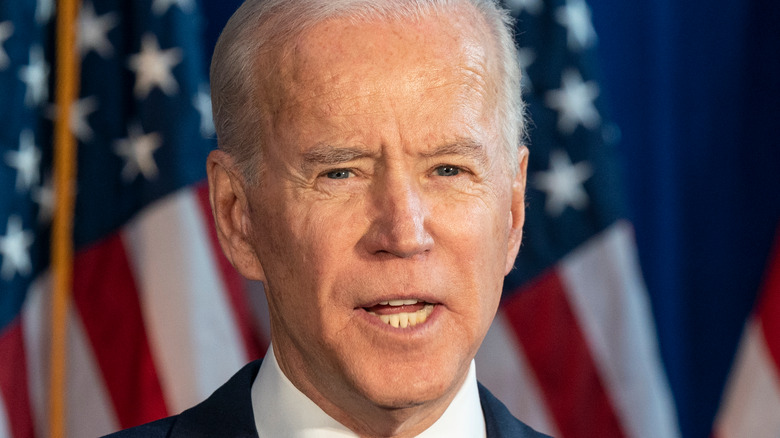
347, 58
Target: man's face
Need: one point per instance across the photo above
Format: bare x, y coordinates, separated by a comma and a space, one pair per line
386, 215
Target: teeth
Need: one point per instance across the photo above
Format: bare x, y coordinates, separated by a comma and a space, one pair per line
406, 319
396, 303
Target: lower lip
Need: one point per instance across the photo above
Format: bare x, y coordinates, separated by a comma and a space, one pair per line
415, 330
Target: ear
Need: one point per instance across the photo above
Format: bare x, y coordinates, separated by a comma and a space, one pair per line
230, 207
517, 210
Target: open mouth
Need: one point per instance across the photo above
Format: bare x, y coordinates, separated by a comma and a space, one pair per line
402, 313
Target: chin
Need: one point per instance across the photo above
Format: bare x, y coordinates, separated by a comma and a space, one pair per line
395, 400
406, 385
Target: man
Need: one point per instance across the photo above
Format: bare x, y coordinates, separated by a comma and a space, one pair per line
371, 175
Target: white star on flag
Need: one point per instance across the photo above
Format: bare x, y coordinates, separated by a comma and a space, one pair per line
6, 30
44, 10
26, 161
532, 6
575, 102
93, 31
138, 152
575, 16
563, 183
14, 248
79, 111
526, 57
202, 103
44, 196
153, 67
160, 7
36, 77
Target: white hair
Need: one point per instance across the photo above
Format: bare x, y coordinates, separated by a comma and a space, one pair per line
259, 28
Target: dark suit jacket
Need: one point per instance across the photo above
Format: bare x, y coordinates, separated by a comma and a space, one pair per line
228, 413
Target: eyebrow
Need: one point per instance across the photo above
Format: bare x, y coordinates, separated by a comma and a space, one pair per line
328, 155
461, 147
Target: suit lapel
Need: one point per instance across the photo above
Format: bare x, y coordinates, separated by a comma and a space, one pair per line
227, 412
499, 422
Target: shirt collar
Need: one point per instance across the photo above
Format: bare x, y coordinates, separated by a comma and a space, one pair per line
280, 409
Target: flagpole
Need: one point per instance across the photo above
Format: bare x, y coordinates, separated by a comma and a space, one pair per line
67, 89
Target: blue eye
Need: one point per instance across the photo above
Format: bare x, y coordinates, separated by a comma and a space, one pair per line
447, 171
339, 174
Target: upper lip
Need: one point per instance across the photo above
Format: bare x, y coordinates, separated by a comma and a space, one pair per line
421, 299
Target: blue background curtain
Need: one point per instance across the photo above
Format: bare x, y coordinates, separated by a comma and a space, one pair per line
694, 87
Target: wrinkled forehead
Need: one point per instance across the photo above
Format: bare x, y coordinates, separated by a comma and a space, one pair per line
332, 56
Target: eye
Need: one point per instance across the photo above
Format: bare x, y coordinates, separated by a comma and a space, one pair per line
339, 174
447, 170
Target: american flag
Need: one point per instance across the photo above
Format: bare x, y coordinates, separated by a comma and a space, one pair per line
573, 350
157, 318
751, 403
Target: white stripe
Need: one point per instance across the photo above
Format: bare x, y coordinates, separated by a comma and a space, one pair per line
194, 339
608, 297
36, 329
89, 409
503, 369
5, 426
751, 405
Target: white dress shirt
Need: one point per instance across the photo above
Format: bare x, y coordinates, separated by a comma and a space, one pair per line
282, 411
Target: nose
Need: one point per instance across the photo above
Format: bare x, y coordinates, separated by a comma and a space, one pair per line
399, 225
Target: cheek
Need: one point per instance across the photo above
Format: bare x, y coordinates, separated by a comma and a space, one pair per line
478, 225
473, 237
480, 235
327, 234
293, 250
304, 245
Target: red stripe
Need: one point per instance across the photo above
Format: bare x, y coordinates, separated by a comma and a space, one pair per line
13, 381
105, 294
234, 284
769, 308
558, 353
